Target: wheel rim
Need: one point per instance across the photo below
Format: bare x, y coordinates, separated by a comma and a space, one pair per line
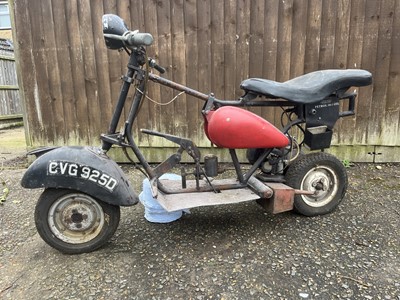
323, 181
76, 218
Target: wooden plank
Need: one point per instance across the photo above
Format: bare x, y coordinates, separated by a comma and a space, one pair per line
63, 66
344, 125
143, 118
327, 42
391, 120
3, 57
242, 43
313, 33
77, 71
298, 45
11, 117
150, 20
381, 75
284, 45
175, 202
204, 65
19, 15
368, 61
284, 41
270, 54
191, 59
217, 49
90, 73
42, 99
354, 54
105, 97
229, 49
342, 34
256, 42
114, 59
53, 74
165, 58
10, 102
9, 87
122, 9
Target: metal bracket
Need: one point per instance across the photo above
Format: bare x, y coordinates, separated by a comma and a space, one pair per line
374, 153
127, 79
186, 144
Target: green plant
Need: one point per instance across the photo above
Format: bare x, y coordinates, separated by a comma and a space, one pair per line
346, 163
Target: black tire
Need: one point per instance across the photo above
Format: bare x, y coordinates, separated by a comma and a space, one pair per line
321, 173
73, 222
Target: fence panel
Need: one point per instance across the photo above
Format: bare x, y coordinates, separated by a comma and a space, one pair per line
71, 81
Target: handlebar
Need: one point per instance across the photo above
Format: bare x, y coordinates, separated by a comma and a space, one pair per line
136, 39
132, 38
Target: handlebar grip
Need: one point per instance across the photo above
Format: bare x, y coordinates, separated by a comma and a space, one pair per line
139, 39
159, 69
154, 65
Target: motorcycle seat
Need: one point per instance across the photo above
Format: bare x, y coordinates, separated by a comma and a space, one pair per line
311, 87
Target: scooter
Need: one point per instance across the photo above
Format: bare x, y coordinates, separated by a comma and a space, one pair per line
79, 209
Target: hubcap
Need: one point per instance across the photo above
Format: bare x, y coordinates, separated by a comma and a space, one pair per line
323, 181
76, 218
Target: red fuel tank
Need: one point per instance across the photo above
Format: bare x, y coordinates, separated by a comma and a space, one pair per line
235, 128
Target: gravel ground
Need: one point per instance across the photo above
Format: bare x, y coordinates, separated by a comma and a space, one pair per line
224, 252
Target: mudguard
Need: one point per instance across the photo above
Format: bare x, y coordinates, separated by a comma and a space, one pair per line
85, 169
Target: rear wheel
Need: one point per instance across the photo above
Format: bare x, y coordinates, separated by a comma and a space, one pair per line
73, 222
324, 175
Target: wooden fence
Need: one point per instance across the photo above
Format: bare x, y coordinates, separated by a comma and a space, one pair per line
71, 81
10, 105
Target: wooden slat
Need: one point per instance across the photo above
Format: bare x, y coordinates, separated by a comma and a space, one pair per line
328, 27
229, 39
41, 96
114, 59
191, 59
256, 43
106, 99
270, 53
53, 77
242, 43
137, 22
368, 61
313, 35
299, 30
90, 73
340, 60
382, 66
284, 40
284, 45
63, 67
18, 15
204, 65
391, 120
150, 18
354, 54
118, 59
165, 58
9, 87
4, 57
78, 84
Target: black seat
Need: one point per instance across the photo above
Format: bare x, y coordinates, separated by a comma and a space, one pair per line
311, 87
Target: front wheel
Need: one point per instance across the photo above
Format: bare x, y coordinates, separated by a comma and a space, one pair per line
73, 222
324, 175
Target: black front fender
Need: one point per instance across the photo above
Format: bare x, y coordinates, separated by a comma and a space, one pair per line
85, 169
